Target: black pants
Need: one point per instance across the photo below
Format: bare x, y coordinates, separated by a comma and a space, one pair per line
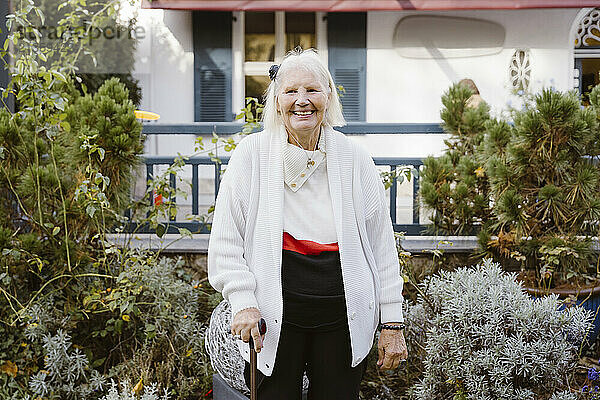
326, 358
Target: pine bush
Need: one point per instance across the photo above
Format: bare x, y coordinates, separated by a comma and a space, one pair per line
545, 185
454, 186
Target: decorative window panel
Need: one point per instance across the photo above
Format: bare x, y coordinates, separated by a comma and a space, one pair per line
588, 31
520, 70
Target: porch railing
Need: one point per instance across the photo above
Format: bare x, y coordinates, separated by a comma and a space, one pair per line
412, 229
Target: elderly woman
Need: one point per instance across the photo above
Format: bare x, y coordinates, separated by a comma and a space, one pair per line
302, 237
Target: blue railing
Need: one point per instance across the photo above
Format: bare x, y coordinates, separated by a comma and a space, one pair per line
225, 128
196, 227
352, 128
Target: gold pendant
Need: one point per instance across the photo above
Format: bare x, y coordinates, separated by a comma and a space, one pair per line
310, 163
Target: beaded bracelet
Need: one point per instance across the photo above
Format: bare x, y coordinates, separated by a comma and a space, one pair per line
398, 327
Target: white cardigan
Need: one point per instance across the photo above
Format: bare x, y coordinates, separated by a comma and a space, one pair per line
244, 252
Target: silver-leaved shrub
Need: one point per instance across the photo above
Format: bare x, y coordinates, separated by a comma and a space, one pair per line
127, 392
487, 339
66, 374
566, 395
174, 309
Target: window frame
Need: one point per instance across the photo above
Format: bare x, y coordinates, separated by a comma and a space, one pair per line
242, 68
581, 53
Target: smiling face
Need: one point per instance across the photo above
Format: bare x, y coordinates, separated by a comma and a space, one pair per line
302, 102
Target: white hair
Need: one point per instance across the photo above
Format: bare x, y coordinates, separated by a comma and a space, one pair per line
309, 61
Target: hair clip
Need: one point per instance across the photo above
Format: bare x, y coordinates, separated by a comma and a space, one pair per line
273, 71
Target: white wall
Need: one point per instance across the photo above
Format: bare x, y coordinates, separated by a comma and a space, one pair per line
406, 90
165, 68
409, 90
165, 63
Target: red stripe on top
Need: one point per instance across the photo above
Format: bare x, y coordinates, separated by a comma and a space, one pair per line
306, 247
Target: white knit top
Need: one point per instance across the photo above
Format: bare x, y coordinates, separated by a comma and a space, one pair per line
307, 211
245, 248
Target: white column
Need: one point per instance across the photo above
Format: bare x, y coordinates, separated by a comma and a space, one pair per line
279, 36
237, 68
321, 33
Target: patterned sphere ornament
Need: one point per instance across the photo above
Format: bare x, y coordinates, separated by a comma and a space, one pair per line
223, 351
222, 348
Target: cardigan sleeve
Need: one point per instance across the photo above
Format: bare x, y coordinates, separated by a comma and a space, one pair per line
383, 244
228, 270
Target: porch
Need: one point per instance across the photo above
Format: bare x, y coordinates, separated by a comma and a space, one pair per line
201, 185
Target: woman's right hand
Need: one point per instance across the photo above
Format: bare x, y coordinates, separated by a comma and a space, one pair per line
245, 324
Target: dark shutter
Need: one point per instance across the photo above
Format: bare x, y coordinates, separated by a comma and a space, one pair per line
212, 66
347, 49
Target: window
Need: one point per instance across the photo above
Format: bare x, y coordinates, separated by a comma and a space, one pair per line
589, 69
587, 54
259, 37
256, 86
268, 36
300, 30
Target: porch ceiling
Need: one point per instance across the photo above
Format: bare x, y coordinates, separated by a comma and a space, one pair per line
363, 5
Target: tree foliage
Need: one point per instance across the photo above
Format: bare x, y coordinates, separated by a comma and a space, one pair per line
100, 45
75, 309
544, 181
529, 186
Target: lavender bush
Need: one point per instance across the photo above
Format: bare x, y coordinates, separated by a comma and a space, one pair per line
66, 372
487, 339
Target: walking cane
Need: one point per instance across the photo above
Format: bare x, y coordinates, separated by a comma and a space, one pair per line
262, 329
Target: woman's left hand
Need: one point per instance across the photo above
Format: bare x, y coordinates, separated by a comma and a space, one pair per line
392, 349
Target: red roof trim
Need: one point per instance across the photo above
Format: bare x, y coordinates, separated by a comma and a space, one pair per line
363, 5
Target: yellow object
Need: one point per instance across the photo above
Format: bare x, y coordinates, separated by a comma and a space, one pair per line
9, 368
139, 114
137, 390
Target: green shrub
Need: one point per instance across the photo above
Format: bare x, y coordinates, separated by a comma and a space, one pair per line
165, 313
128, 392
545, 186
454, 186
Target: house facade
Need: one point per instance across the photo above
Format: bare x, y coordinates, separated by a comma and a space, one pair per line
199, 60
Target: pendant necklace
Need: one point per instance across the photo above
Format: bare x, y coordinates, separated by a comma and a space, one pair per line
310, 162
